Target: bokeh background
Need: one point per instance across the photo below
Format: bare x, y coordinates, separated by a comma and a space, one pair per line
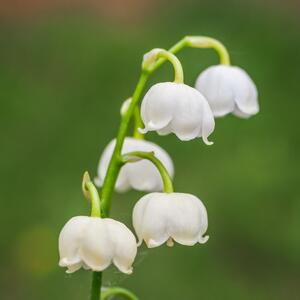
66, 67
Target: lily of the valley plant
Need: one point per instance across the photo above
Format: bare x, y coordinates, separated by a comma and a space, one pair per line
162, 216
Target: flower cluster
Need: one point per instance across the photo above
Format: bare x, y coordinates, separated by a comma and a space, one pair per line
162, 215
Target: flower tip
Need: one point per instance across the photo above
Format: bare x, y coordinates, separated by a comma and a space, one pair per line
129, 271
206, 141
203, 239
86, 179
152, 244
143, 130
125, 270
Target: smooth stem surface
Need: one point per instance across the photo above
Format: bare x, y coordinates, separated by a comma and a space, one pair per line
152, 57
115, 162
174, 49
115, 291
96, 286
207, 42
95, 200
91, 193
131, 157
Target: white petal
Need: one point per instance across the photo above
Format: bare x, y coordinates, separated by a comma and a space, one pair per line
187, 220
73, 268
228, 89
187, 119
141, 175
208, 123
156, 108
246, 97
96, 248
122, 184
69, 242
212, 84
150, 219
124, 242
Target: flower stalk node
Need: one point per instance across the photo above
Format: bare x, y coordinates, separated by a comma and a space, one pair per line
152, 56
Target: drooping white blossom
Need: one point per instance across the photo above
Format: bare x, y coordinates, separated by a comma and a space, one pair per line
141, 175
94, 243
171, 107
164, 217
228, 89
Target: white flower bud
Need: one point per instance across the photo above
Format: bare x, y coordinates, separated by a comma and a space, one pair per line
125, 106
228, 89
177, 108
163, 217
94, 243
141, 175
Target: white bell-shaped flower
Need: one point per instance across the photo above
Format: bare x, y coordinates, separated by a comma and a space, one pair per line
171, 107
228, 89
94, 243
164, 217
141, 175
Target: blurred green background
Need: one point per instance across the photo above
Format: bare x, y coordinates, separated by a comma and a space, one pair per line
64, 73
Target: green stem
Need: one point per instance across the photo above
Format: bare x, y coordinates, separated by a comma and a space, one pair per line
174, 49
91, 193
138, 123
207, 42
96, 286
118, 291
115, 162
151, 57
131, 157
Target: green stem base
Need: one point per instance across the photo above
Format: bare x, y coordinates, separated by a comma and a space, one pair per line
96, 286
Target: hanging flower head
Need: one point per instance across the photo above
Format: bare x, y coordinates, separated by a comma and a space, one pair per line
140, 175
164, 217
171, 107
228, 89
94, 243
174, 107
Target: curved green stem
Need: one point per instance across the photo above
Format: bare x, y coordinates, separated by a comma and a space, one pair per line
174, 49
207, 42
91, 193
132, 157
114, 291
151, 57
